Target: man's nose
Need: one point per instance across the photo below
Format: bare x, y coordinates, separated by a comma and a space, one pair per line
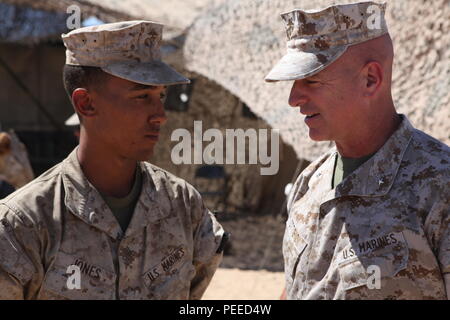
160, 115
298, 94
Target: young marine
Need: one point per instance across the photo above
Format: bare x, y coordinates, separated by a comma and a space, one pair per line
104, 223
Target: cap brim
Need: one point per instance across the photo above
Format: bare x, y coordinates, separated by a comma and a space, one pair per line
155, 73
299, 65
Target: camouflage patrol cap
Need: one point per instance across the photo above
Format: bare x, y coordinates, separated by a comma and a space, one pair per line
315, 39
128, 50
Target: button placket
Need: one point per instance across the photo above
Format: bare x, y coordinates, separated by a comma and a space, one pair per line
309, 252
121, 244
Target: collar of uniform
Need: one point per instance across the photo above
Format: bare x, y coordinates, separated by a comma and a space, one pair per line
153, 203
84, 201
373, 178
376, 176
321, 179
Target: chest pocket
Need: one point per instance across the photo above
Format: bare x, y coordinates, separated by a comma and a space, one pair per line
77, 279
371, 268
293, 248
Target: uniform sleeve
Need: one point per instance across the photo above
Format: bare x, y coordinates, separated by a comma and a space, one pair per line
16, 269
208, 238
444, 254
438, 233
447, 284
10, 287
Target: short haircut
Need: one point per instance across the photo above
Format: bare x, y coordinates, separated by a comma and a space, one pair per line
75, 77
81, 77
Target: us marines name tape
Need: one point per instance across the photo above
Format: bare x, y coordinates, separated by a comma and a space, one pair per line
370, 245
165, 266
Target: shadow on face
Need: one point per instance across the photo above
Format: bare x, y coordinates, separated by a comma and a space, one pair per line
123, 117
339, 101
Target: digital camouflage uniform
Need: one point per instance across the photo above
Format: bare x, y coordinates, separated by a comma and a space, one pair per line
392, 212
58, 226
389, 219
169, 250
315, 39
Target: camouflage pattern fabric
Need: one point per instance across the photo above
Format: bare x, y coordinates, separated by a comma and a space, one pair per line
392, 213
315, 39
127, 49
59, 220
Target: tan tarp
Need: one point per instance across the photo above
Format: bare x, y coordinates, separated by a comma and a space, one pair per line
175, 14
238, 42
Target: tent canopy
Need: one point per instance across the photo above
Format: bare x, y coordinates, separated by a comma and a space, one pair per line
237, 42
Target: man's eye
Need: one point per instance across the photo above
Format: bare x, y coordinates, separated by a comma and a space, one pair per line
312, 82
162, 96
142, 96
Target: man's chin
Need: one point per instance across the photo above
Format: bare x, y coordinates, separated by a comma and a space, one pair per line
316, 136
145, 155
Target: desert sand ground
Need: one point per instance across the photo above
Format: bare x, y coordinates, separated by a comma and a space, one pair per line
236, 284
252, 268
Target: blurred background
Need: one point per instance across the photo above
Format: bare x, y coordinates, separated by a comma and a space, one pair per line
225, 47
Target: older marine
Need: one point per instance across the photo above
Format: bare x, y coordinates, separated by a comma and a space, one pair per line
370, 218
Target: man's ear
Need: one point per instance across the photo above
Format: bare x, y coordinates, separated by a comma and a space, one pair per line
374, 77
82, 102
